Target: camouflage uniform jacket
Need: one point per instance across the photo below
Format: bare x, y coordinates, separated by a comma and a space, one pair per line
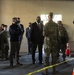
63, 35
50, 34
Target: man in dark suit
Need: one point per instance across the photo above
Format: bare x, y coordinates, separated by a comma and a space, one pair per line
37, 38
28, 31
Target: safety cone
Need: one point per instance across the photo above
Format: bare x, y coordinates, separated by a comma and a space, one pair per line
73, 72
68, 50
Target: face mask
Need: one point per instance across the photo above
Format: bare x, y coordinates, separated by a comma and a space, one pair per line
18, 21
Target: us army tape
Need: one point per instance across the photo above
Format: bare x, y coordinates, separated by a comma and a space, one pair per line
48, 67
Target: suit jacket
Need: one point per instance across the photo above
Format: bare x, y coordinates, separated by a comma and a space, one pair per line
37, 33
28, 31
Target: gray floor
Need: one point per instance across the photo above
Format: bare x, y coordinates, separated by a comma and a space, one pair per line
27, 67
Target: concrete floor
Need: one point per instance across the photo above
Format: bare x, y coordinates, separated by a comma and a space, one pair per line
27, 67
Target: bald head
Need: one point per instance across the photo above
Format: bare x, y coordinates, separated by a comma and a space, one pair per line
51, 14
38, 19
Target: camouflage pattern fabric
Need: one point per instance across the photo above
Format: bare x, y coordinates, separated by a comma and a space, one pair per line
50, 42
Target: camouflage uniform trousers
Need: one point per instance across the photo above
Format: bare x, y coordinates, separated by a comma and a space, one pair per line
50, 49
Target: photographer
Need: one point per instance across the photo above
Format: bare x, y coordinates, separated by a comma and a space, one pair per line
22, 30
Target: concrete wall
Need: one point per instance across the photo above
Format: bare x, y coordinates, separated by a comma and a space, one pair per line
28, 10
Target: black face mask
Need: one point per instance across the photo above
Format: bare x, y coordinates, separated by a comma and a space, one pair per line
18, 21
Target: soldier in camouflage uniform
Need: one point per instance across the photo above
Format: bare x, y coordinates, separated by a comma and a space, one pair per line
63, 39
50, 42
